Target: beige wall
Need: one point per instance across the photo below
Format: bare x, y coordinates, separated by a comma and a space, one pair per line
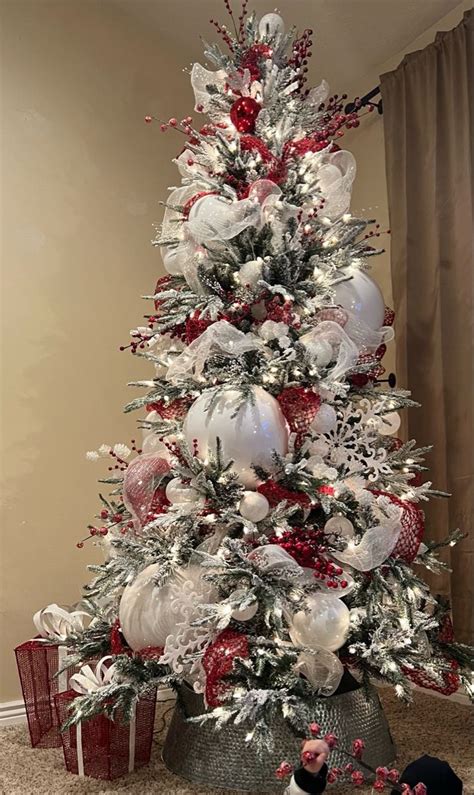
82, 176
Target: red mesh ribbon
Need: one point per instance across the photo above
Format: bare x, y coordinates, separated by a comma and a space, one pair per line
117, 640
218, 661
161, 285
450, 679
299, 406
446, 630
388, 317
413, 528
176, 410
38, 665
375, 368
151, 652
276, 493
106, 743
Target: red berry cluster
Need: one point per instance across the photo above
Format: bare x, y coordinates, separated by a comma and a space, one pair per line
300, 54
306, 547
275, 493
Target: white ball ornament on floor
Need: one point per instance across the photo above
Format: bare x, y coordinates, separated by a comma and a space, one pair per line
249, 430
362, 296
324, 623
271, 25
325, 419
254, 506
340, 526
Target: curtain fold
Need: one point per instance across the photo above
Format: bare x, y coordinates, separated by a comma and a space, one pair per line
428, 126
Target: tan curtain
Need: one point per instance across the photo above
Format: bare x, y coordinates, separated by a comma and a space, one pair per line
428, 124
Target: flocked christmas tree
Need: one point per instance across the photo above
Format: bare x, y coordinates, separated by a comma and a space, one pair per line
268, 534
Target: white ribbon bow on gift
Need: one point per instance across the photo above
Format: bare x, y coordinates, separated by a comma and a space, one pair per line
92, 680
55, 623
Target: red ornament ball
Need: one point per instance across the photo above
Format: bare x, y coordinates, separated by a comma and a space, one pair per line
243, 114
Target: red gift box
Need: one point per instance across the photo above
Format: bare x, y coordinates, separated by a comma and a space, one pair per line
104, 748
38, 663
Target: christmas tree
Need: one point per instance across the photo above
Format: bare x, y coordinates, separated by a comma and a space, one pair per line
268, 536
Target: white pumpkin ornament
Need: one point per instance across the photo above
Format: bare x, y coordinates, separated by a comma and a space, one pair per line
323, 623
254, 506
249, 430
149, 613
362, 296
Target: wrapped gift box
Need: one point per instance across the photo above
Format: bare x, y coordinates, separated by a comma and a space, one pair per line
104, 748
38, 663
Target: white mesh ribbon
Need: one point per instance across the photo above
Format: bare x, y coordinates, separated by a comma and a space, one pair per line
318, 94
221, 338
345, 352
374, 547
323, 669
201, 78
363, 336
271, 557
214, 218
336, 174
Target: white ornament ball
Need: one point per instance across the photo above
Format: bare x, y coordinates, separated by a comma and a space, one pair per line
149, 613
339, 525
389, 423
362, 296
180, 493
251, 272
249, 430
271, 25
254, 506
247, 613
325, 419
324, 623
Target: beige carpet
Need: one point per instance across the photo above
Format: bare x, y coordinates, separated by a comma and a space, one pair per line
431, 725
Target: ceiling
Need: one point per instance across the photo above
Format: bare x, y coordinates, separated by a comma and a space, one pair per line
352, 37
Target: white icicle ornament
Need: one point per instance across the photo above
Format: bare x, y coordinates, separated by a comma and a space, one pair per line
249, 431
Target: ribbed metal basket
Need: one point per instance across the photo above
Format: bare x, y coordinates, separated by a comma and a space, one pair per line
223, 759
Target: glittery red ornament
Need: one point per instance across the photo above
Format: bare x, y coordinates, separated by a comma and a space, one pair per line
151, 652
299, 406
176, 410
276, 493
413, 527
243, 114
218, 661
252, 58
422, 679
118, 644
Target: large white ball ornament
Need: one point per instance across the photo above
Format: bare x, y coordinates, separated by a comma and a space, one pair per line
149, 613
362, 296
324, 623
171, 260
271, 25
249, 431
325, 419
254, 506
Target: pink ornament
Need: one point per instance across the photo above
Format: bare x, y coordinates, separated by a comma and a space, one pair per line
284, 770
315, 729
378, 785
357, 778
358, 748
243, 114
331, 740
140, 483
